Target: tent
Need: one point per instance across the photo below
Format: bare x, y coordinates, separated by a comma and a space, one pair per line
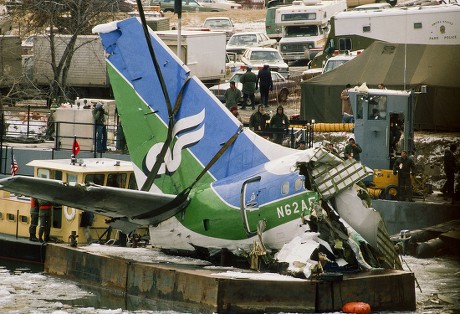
400, 67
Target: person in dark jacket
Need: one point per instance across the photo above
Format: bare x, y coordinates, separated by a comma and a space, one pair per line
279, 121
33, 219
352, 150
249, 81
264, 83
44, 215
450, 167
404, 166
99, 115
258, 119
232, 95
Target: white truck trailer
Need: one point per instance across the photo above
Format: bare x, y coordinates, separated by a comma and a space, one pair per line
87, 68
425, 25
203, 52
305, 27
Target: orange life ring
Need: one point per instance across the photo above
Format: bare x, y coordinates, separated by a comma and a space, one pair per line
357, 308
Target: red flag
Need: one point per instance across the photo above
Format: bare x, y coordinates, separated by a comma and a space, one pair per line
14, 166
75, 147
14, 163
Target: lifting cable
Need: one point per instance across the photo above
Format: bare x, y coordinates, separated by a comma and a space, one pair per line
171, 111
180, 198
160, 158
213, 160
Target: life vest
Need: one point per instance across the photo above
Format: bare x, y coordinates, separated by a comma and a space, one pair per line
33, 202
45, 206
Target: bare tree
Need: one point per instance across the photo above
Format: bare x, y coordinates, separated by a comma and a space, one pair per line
71, 17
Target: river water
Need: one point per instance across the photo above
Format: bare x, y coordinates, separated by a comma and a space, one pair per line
23, 289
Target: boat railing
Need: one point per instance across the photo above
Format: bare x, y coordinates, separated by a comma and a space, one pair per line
30, 126
37, 125
23, 123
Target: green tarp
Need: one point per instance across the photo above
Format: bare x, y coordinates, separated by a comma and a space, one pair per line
400, 67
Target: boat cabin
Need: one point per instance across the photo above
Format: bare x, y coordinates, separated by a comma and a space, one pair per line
15, 209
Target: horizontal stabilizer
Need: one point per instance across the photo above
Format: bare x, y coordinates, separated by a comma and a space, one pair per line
139, 207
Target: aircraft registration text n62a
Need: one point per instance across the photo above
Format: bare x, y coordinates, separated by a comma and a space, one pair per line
296, 207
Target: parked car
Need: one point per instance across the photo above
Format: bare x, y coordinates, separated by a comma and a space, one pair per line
222, 4
221, 24
241, 41
282, 87
187, 6
232, 64
257, 57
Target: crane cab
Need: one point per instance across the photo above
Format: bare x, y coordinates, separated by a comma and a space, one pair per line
383, 125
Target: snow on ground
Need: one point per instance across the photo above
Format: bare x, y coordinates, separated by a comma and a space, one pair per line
255, 276
145, 255
243, 20
152, 255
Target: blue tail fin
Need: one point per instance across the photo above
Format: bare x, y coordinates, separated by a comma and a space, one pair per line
201, 126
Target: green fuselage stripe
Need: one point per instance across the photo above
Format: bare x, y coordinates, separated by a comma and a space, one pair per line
143, 129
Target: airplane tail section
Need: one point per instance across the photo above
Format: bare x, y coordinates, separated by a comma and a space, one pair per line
176, 130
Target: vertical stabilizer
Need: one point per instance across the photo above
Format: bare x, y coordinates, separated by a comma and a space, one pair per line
200, 128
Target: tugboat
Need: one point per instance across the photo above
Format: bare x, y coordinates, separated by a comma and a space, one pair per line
68, 225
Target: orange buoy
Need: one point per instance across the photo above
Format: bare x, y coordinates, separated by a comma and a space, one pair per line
357, 308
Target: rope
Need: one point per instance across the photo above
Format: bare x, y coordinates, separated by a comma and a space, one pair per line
258, 248
416, 281
214, 159
180, 201
160, 158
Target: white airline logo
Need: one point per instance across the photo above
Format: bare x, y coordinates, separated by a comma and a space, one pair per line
173, 158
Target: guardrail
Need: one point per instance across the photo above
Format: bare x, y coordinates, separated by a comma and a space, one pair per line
36, 125
23, 123
292, 135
